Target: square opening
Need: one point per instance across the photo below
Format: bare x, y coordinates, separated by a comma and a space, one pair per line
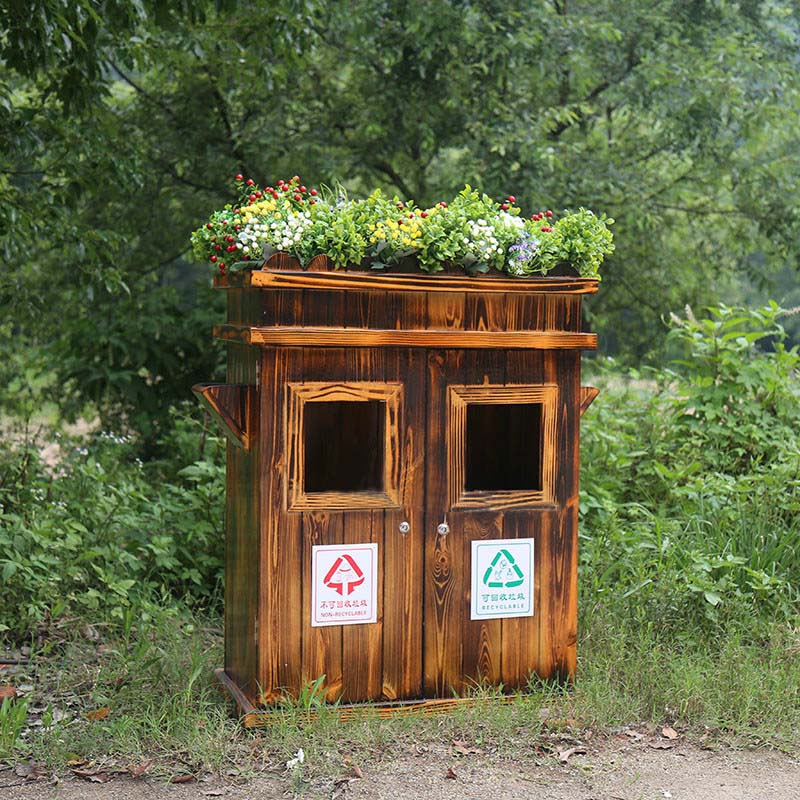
503, 447
343, 444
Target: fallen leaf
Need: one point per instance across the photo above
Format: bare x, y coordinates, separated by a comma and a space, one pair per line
465, 749
661, 745
98, 714
140, 769
451, 773
76, 762
565, 755
93, 775
182, 779
635, 735
7, 693
28, 771
357, 773
669, 733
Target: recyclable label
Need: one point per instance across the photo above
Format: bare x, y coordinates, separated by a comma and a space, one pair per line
502, 578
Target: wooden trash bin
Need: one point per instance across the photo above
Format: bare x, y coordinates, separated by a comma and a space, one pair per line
402, 482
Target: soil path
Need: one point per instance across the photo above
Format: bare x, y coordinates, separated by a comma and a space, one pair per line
611, 770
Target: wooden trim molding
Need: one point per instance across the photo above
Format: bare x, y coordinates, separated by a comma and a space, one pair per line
459, 397
379, 337
341, 279
588, 394
299, 396
231, 405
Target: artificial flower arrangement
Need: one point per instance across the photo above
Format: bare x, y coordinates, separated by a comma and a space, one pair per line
472, 232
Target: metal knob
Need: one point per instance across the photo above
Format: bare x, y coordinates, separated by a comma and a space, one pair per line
404, 527
443, 529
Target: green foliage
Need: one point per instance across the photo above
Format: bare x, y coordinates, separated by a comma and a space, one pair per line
13, 717
680, 479
100, 529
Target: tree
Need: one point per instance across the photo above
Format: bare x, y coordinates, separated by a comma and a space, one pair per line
676, 118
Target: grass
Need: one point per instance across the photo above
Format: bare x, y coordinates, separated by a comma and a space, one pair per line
146, 695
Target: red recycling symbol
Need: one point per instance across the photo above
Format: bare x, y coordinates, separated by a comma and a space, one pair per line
344, 576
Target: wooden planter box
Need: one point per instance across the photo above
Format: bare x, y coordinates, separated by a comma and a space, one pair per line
382, 428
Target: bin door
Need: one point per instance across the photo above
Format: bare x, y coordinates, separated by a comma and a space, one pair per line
354, 483
491, 512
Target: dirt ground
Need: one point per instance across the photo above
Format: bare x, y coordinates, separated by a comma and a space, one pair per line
614, 769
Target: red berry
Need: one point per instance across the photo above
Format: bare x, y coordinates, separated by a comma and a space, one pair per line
423, 213
239, 176
296, 179
222, 265
209, 225
212, 259
443, 204
250, 182
303, 189
548, 213
512, 199
259, 194
231, 239
281, 182
400, 205
252, 198
410, 214
312, 201
400, 221
224, 222
218, 247
313, 192
285, 187
298, 197
504, 206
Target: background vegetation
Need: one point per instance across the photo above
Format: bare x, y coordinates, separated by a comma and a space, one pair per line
122, 125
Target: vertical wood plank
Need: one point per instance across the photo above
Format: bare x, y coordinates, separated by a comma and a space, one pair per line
444, 556
521, 636
482, 638
322, 646
281, 535
241, 539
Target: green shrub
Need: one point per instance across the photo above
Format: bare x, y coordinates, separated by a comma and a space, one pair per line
691, 482
100, 529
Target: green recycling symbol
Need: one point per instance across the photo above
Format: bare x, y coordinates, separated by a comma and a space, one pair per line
503, 572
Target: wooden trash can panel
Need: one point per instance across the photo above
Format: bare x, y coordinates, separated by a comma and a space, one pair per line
411, 422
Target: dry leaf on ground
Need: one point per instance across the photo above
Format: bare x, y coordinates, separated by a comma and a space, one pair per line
451, 773
98, 714
356, 771
182, 779
93, 775
669, 733
565, 755
7, 693
465, 748
139, 769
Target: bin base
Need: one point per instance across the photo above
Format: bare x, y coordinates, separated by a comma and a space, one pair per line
253, 717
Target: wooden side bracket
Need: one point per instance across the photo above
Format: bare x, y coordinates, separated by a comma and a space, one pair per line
588, 394
231, 405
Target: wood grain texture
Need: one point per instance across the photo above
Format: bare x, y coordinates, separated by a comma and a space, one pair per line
426, 347
281, 537
299, 394
406, 282
588, 396
360, 337
241, 539
232, 406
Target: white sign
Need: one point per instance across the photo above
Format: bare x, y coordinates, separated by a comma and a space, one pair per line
344, 584
502, 578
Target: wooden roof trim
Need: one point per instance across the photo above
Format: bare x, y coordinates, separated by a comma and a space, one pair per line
343, 280
294, 336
